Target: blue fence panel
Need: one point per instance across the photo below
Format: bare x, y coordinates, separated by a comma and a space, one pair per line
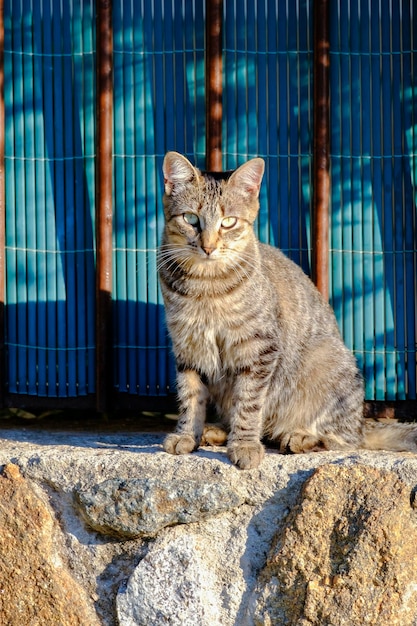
267, 104
50, 138
158, 106
373, 156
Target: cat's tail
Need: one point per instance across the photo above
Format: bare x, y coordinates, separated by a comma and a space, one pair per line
385, 435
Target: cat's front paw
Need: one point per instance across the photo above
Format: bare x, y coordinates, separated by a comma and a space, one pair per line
179, 444
247, 455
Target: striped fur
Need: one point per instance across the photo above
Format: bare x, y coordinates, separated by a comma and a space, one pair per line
250, 332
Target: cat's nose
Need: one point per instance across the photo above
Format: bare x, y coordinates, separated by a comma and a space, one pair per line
208, 249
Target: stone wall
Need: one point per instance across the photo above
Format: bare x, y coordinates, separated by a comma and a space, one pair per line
108, 529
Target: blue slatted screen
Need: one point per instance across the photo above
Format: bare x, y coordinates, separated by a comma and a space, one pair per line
159, 106
373, 156
268, 112
50, 129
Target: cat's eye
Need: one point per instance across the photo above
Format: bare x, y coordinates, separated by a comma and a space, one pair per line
191, 218
229, 222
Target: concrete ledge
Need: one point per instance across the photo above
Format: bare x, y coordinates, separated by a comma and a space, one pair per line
225, 552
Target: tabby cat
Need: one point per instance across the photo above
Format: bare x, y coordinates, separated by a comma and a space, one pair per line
250, 332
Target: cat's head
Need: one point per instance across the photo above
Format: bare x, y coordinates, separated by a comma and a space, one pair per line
210, 214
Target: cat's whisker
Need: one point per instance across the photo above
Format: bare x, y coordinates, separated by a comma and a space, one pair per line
169, 263
242, 265
170, 255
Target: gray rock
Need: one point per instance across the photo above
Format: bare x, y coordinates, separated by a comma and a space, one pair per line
171, 585
142, 507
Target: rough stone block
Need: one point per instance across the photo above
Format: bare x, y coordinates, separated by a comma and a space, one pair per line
36, 589
142, 507
346, 557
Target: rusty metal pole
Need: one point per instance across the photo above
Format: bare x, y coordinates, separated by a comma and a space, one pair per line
2, 213
214, 85
104, 202
321, 142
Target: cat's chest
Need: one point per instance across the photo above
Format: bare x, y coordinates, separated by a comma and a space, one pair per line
205, 323
203, 337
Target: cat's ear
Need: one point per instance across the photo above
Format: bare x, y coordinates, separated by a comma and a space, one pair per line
248, 177
177, 170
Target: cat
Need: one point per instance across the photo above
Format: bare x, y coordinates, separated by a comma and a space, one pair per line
251, 333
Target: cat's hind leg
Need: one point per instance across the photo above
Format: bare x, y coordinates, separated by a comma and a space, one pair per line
301, 441
214, 435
